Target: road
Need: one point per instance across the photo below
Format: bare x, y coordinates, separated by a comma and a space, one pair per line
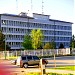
60, 61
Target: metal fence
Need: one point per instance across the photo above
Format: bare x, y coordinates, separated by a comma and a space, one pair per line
41, 52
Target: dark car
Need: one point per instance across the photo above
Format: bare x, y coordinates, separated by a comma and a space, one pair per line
28, 60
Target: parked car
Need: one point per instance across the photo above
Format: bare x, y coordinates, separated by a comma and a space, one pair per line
28, 60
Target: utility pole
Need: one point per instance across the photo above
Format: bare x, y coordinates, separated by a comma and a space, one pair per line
54, 47
4, 22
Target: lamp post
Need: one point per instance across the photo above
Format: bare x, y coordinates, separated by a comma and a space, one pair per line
4, 22
54, 46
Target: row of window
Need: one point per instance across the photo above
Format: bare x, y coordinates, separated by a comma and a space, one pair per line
19, 44
45, 32
49, 38
46, 38
34, 25
14, 44
14, 30
14, 37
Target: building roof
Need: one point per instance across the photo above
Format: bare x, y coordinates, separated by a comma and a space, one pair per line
60, 21
41, 14
24, 16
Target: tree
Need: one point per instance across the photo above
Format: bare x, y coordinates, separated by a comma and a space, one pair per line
72, 43
48, 45
53, 44
2, 41
61, 45
1, 36
27, 43
37, 38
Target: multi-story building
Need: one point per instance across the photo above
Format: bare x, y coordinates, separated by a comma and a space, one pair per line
14, 27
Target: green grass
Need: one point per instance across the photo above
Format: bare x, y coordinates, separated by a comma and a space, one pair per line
66, 68
32, 73
12, 58
47, 74
58, 74
60, 68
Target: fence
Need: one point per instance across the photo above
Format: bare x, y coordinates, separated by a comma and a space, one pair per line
73, 51
41, 52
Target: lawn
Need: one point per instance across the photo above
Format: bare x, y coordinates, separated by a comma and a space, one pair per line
12, 58
47, 74
66, 68
60, 68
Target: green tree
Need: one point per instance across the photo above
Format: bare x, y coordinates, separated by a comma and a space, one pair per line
53, 44
48, 45
37, 38
72, 43
27, 43
1, 36
2, 41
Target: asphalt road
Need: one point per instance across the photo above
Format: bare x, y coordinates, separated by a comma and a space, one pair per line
61, 61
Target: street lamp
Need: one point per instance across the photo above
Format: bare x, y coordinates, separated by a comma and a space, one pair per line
54, 46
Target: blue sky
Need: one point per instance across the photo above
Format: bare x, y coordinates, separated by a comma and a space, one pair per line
57, 9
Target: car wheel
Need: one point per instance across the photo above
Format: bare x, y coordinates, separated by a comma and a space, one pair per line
39, 66
15, 62
25, 65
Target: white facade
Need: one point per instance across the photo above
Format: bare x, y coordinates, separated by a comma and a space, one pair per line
16, 26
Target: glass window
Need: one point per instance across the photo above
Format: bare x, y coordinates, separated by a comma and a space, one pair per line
29, 57
23, 58
35, 58
4, 22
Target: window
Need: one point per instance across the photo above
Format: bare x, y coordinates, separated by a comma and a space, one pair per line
4, 22
29, 57
23, 58
35, 58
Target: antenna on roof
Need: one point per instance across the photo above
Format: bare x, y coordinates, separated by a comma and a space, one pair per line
42, 7
31, 6
16, 6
